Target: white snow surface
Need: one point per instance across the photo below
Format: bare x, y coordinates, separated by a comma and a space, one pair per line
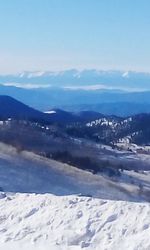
49, 222
50, 112
47, 205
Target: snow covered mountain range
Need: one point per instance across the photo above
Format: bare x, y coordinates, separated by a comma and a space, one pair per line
99, 79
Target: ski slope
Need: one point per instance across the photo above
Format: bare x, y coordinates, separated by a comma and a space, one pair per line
47, 205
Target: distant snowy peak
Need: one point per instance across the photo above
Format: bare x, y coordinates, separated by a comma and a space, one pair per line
31, 74
36, 74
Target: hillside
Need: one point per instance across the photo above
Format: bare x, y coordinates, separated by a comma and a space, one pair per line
12, 108
29, 128
113, 129
49, 205
28, 172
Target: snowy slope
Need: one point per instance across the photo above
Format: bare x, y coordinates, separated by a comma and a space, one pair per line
27, 173
49, 222
47, 205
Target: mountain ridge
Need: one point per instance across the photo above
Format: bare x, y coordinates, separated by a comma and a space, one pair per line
108, 102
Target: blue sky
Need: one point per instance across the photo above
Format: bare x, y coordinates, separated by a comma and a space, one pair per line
64, 34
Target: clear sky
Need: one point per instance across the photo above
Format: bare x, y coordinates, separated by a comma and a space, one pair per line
64, 34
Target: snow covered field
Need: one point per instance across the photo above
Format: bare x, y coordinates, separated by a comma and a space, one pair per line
49, 222
47, 205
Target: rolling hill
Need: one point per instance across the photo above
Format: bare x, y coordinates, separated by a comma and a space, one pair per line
12, 108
